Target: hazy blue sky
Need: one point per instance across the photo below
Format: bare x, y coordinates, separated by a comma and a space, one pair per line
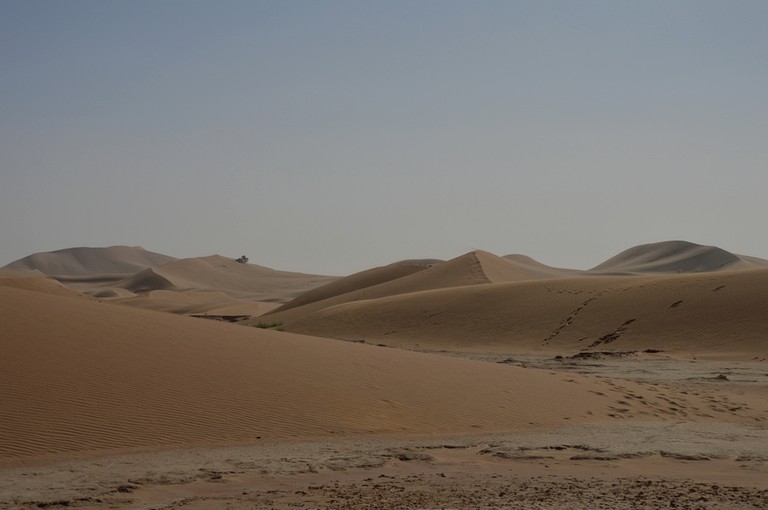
330, 137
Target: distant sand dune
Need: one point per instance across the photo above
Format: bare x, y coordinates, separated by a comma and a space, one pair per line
134, 276
677, 257
85, 261
238, 280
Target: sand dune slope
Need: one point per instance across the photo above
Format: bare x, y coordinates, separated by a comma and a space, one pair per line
79, 377
676, 257
358, 281
473, 268
86, 261
702, 313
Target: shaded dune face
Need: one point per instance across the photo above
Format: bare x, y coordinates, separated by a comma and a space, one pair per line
81, 376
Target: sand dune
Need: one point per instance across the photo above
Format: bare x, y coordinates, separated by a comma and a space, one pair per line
361, 280
247, 281
80, 377
725, 313
86, 261
473, 268
677, 257
120, 272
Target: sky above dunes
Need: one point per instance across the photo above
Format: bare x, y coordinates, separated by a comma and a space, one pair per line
330, 137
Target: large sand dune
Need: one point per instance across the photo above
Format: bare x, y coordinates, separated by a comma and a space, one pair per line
78, 376
677, 257
122, 273
132, 276
700, 313
473, 268
210, 285
89, 261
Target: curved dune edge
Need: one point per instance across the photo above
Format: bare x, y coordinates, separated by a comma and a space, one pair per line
79, 376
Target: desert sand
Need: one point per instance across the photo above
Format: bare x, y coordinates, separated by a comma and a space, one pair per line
479, 382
